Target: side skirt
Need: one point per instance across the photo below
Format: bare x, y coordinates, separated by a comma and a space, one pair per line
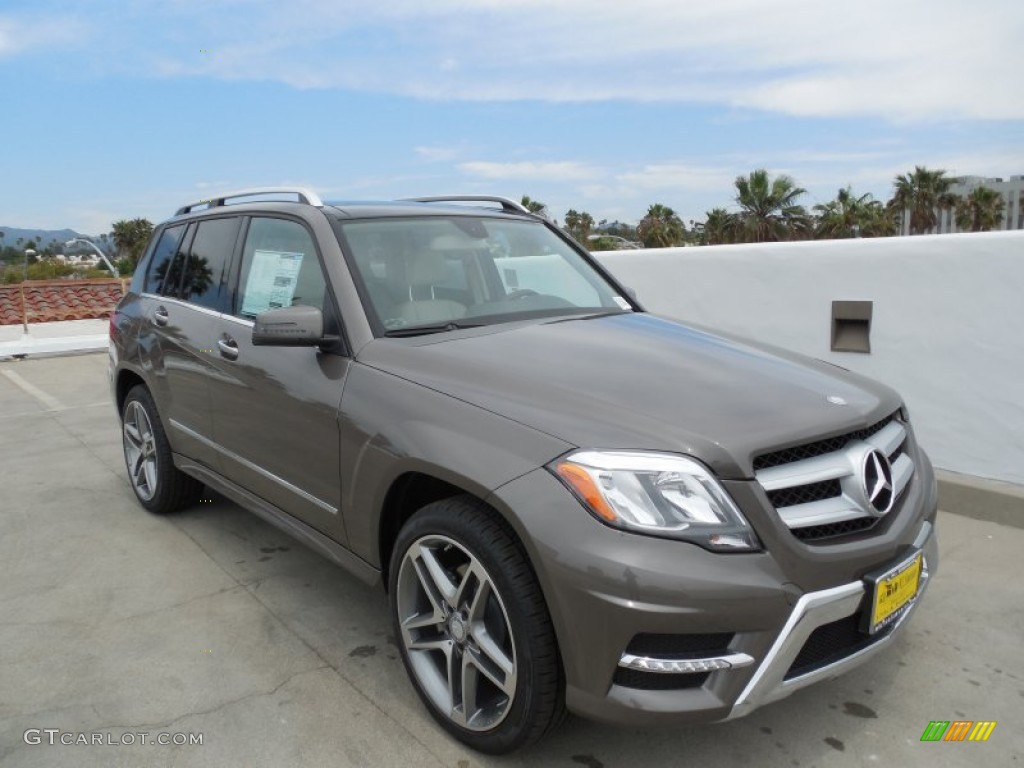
277, 517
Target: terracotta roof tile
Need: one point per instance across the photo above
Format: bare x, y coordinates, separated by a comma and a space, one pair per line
50, 300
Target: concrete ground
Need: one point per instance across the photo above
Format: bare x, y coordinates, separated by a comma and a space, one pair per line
117, 622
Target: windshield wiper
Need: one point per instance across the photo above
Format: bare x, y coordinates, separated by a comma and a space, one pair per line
420, 330
590, 316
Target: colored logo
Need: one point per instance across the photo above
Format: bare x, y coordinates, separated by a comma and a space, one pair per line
958, 730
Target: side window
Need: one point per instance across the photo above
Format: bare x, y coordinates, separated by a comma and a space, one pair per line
208, 264
165, 248
280, 268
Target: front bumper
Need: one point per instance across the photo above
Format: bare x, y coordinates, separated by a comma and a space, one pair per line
771, 681
605, 588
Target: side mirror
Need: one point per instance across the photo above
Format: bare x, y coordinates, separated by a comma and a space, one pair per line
289, 327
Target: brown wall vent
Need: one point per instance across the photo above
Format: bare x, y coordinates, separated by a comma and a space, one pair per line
851, 326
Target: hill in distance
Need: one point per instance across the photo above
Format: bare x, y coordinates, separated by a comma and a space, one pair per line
40, 236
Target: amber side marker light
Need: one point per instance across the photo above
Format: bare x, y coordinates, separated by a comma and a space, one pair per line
581, 482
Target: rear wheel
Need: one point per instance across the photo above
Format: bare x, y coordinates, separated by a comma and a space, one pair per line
159, 486
473, 627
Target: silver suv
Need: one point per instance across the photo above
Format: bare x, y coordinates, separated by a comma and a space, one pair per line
572, 503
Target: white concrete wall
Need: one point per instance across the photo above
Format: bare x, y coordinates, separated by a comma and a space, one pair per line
947, 331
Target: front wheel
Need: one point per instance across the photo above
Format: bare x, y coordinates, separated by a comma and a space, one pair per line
473, 627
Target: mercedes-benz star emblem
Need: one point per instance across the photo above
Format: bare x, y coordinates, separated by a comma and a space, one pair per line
877, 478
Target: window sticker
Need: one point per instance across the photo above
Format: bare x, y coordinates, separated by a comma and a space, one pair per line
623, 304
272, 281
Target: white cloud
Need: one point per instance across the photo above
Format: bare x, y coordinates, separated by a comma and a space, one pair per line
31, 34
437, 154
564, 170
677, 176
909, 60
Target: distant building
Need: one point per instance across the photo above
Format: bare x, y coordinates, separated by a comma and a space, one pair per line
81, 260
1012, 190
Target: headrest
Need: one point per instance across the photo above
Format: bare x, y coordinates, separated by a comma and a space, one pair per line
427, 269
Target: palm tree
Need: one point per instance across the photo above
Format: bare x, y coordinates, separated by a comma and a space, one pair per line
769, 210
923, 193
661, 228
720, 227
980, 211
578, 224
852, 216
130, 237
533, 206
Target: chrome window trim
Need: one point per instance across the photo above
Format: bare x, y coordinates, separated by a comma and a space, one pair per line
254, 467
239, 320
205, 310
183, 304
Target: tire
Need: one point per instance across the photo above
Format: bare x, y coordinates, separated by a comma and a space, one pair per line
493, 627
159, 486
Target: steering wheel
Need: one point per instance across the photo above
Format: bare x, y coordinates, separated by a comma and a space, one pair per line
522, 293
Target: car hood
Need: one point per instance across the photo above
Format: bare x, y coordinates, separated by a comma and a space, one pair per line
637, 381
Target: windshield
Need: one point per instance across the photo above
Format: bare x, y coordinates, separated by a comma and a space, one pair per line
439, 273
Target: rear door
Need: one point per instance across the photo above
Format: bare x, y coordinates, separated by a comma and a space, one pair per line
171, 338
185, 291
276, 408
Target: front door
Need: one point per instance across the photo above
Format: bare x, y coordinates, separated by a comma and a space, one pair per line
275, 409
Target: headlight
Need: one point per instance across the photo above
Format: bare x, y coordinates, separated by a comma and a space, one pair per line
658, 494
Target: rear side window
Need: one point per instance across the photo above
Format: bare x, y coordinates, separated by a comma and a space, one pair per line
207, 269
165, 249
280, 268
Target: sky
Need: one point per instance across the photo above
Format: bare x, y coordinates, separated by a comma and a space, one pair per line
118, 110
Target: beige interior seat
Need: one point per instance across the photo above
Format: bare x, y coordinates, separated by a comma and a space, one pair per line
424, 272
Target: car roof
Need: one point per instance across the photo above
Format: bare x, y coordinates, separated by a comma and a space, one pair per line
307, 201
368, 209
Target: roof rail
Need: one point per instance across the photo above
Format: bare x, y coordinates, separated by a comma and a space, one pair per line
307, 196
509, 206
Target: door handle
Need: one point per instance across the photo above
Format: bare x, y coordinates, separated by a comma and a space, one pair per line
228, 348
160, 316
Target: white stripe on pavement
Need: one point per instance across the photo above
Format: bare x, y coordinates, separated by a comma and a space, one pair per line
51, 402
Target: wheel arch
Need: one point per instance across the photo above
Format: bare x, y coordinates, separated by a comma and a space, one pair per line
406, 495
125, 381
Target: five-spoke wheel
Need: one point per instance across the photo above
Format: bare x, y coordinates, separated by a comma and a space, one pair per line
473, 627
456, 632
158, 484
140, 450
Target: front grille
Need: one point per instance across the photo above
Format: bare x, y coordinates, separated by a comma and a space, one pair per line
818, 489
832, 530
833, 642
817, 448
658, 681
803, 494
691, 646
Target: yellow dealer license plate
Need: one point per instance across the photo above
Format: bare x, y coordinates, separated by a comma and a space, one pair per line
893, 589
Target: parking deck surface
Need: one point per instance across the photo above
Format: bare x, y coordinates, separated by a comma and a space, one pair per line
114, 622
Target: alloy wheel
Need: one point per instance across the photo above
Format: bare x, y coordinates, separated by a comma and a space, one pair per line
456, 633
140, 450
